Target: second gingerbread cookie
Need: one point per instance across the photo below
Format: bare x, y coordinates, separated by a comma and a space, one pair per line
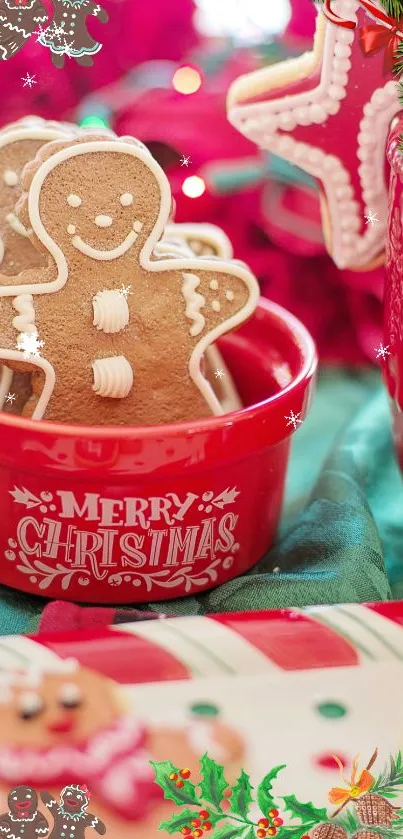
119, 336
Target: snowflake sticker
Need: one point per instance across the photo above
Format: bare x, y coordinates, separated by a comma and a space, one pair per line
29, 344
125, 291
11, 397
185, 160
28, 80
293, 419
382, 352
371, 218
219, 374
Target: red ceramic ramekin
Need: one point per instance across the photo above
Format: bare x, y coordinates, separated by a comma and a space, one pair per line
124, 515
393, 299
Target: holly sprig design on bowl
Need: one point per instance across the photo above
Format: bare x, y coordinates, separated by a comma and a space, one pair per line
222, 811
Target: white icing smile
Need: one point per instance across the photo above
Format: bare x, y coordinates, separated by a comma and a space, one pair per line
17, 226
120, 250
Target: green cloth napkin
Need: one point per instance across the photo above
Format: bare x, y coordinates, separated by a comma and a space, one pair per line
341, 534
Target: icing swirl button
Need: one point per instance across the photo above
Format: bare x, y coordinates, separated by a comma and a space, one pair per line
111, 311
113, 377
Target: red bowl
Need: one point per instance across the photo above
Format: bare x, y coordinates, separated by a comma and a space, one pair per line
124, 515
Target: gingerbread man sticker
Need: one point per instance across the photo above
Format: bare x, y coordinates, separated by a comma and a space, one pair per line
68, 34
122, 334
18, 21
23, 821
70, 816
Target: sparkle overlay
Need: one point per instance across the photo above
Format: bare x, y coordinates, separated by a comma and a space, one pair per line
185, 160
219, 374
29, 344
28, 80
371, 218
293, 419
125, 291
11, 397
382, 352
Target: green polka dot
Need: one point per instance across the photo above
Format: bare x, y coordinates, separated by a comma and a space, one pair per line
204, 709
331, 710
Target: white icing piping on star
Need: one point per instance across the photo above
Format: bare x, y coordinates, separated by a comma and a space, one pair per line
260, 122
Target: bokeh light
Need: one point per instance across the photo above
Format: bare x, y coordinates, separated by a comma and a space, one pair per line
187, 80
193, 187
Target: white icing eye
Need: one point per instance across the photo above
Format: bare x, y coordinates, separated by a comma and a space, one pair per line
28, 796
70, 695
69, 793
10, 177
74, 200
126, 199
30, 704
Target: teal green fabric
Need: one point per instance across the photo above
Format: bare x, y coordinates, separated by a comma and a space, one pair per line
341, 534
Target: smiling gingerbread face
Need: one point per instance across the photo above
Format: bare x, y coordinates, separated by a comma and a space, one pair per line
22, 801
57, 708
100, 226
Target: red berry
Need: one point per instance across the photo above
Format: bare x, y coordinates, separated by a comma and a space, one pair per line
261, 833
207, 825
179, 784
195, 823
263, 823
186, 831
185, 773
173, 777
277, 822
273, 814
271, 831
204, 814
227, 793
197, 833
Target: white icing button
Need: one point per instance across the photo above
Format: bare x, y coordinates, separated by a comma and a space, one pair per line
103, 221
214, 285
137, 226
71, 229
10, 178
74, 200
229, 295
126, 199
111, 311
216, 306
73, 16
113, 377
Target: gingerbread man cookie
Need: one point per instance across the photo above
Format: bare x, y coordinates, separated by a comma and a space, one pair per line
70, 817
23, 821
138, 327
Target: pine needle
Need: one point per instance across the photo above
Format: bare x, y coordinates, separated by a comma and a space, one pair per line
390, 781
394, 8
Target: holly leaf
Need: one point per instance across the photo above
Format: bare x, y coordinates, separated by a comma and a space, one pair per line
213, 783
305, 812
185, 795
231, 831
264, 796
241, 798
178, 820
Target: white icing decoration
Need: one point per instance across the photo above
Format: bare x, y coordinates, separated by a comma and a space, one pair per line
184, 264
126, 199
230, 295
208, 234
10, 177
103, 221
216, 305
138, 226
111, 311
260, 123
24, 322
194, 302
113, 377
6, 377
214, 285
71, 229
17, 226
74, 200
50, 378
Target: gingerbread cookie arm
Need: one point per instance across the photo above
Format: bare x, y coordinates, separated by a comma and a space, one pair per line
100, 13
219, 296
48, 800
93, 821
42, 826
4, 824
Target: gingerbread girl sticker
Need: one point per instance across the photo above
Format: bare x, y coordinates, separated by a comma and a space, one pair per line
23, 821
68, 34
138, 326
70, 816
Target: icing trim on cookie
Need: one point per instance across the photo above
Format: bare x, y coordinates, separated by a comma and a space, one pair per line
194, 302
6, 377
107, 256
113, 377
25, 320
17, 226
209, 234
111, 311
50, 377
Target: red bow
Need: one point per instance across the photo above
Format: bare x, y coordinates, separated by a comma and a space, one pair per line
376, 37
85, 790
